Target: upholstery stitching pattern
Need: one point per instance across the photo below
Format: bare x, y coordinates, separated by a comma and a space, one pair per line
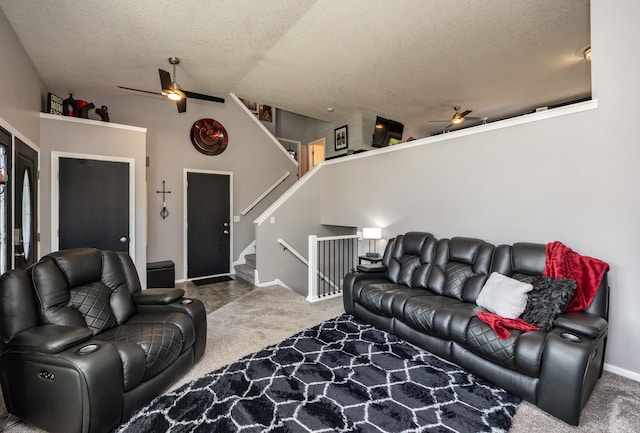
161, 342
92, 301
457, 275
484, 341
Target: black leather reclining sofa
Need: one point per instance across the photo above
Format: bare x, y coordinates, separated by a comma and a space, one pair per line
83, 347
425, 292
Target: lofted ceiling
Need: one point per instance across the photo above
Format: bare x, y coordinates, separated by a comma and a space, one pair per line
406, 60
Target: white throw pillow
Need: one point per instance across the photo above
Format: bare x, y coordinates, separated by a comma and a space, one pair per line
504, 296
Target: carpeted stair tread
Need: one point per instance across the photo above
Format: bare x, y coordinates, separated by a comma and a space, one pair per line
250, 260
246, 272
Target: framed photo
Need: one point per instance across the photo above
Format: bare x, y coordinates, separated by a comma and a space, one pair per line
341, 138
265, 113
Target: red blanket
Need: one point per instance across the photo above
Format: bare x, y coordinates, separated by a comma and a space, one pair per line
562, 262
502, 325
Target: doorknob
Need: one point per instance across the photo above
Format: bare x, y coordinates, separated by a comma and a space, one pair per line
226, 232
225, 224
123, 239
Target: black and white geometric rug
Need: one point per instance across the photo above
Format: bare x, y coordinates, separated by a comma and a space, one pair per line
340, 376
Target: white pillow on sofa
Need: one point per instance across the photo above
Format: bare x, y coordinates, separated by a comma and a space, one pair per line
504, 296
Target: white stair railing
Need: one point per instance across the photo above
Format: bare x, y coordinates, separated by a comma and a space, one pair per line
330, 259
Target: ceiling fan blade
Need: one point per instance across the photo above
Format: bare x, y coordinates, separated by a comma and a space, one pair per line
182, 105
139, 90
440, 121
477, 118
165, 79
464, 113
203, 97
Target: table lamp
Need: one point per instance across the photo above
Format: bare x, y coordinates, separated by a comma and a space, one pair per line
373, 234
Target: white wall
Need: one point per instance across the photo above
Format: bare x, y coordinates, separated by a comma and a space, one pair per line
572, 178
22, 90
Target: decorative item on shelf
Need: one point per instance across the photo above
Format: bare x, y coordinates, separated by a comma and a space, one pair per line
266, 113
373, 234
103, 113
83, 109
164, 213
341, 138
69, 106
209, 137
54, 104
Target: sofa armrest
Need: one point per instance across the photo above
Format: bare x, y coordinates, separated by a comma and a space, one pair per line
353, 282
157, 296
50, 338
581, 323
370, 268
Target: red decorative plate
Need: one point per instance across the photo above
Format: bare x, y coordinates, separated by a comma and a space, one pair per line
209, 137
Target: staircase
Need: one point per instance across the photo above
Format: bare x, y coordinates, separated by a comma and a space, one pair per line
246, 271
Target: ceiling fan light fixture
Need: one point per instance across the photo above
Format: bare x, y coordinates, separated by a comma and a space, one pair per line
175, 93
457, 118
174, 96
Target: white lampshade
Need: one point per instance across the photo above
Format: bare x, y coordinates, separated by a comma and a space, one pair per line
371, 233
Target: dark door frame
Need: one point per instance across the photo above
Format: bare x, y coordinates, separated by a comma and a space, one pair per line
34, 179
55, 194
185, 219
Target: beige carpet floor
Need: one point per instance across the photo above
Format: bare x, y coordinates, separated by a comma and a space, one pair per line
268, 315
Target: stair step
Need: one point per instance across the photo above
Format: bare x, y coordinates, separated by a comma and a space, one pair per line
250, 259
246, 272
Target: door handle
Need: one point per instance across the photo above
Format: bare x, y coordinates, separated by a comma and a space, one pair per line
19, 254
225, 224
123, 239
226, 232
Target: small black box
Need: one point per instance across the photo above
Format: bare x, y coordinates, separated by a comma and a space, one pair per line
161, 274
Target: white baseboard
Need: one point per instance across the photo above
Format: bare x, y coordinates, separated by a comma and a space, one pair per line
622, 372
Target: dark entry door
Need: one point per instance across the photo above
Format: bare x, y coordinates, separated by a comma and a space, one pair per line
6, 249
208, 227
94, 204
25, 214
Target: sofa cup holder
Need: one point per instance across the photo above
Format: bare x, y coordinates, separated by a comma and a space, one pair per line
571, 337
87, 349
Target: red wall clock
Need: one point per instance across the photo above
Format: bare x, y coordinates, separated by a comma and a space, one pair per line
209, 137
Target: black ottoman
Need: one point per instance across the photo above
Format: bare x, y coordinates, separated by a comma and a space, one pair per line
161, 274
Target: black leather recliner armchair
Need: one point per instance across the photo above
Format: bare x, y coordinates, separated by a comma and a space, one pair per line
83, 347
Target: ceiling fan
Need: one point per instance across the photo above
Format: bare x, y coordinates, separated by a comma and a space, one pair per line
459, 117
172, 90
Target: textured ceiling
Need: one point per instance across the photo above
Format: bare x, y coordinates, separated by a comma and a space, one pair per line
407, 60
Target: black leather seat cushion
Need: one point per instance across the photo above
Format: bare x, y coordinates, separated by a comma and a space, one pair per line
521, 352
429, 314
160, 343
384, 298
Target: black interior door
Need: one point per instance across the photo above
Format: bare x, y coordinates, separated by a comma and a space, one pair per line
94, 204
208, 227
25, 214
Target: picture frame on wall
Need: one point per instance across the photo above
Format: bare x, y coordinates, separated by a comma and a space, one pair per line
265, 113
341, 138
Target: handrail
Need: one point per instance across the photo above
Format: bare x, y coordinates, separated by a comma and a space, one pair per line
266, 192
293, 251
